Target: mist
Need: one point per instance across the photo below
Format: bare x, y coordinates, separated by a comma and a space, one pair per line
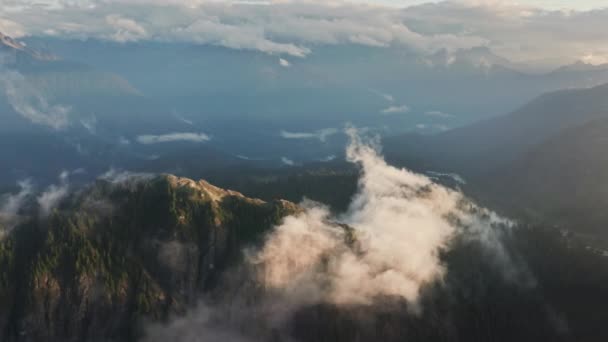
30, 102
387, 245
11, 204
52, 195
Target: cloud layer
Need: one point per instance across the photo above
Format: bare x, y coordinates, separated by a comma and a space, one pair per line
396, 109
387, 245
148, 139
321, 134
296, 28
400, 222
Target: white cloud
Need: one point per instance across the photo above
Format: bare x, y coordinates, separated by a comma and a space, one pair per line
517, 31
115, 176
10, 204
387, 97
438, 114
321, 134
183, 119
172, 137
52, 196
90, 124
125, 29
11, 28
287, 161
124, 141
283, 28
30, 102
328, 158
284, 63
401, 222
398, 223
453, 176
396, 109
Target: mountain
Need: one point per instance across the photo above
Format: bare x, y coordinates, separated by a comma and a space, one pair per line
70, 115
334, 85
545, 161
129, 257
580, 66
125, 249
485, 145
16, 51
563, 180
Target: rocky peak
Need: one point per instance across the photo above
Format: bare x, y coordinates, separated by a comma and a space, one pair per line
13, 46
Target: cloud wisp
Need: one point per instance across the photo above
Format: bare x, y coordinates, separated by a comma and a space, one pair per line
287, 161
395, 110
438, 114
31, 103
388, 244
321, 134
400, 221
11, 204
148, 139
52, 196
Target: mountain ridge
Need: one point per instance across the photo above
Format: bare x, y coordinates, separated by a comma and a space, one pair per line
128, 248
15, 48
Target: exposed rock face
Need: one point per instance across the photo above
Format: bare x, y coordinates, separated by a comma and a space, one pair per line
17, 50
118, 254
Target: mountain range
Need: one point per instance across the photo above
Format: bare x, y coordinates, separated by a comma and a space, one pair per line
545, 159
142, 257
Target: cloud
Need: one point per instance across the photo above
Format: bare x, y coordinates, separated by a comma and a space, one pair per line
183, 119
284, 63
399, 223
438, 114
148, 139
387, 97
294, 28
30, 102
52, 196
396, 109
519, 32
279, 28
124, 141
126, 30
11, 204
11, 28
116, 176
453, 176
328, 158
199, 325
387, 245
90, 124
321, 134
287, 161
